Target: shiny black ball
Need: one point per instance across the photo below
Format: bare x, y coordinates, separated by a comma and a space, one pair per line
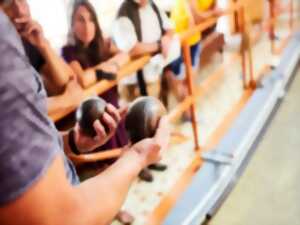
143, 118
88, 112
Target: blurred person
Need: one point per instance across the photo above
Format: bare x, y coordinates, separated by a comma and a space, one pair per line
38, 183
89, 52
58, 78
141, 28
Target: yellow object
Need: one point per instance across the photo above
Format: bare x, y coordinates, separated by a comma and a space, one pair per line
181, 18
204, 5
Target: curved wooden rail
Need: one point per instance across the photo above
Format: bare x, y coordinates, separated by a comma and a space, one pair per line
105, 85
193, 94
188, 103
173, 115
209, 22
95, 157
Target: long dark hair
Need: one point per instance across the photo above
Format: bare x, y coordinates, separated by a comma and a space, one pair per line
98, 50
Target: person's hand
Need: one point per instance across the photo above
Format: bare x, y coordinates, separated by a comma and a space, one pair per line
111, 118
31, 31
109, 67
73, 92
218, 12
150, 149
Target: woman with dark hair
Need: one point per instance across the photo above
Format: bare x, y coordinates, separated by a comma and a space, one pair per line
89, 52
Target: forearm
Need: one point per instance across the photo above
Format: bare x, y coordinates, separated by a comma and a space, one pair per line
109, 189
141, 49
198, 15
202, 16
57, 104
57, 70
189, 10
94, 202
120, 59
86, 77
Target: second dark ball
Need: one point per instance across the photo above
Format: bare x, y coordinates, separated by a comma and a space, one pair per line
143, 118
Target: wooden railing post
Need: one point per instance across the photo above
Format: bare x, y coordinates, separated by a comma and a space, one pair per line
291, 21
243, 45
189, 82
236, 19
272, 25
246, 51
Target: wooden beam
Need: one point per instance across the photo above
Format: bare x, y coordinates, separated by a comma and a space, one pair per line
105, 85
189, 81
169, 200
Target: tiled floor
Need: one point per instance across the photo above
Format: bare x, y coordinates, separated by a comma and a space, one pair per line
268, 192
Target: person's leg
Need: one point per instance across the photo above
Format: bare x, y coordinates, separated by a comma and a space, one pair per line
165, 89
175, 76
154, 88
195, 55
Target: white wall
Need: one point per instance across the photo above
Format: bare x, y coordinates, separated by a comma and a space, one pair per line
53, 16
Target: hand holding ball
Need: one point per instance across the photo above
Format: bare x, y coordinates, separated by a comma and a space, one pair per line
88, 112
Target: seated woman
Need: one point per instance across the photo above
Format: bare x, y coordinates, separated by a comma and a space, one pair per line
89, 52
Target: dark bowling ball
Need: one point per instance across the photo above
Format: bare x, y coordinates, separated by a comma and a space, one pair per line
143, 118
88, 112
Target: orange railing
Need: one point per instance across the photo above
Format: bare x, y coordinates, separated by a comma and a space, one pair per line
271, 22
105, 85
189, 103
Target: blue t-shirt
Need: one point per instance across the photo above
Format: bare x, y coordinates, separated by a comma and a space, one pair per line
29, 140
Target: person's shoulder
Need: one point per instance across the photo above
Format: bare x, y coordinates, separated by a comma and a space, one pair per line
3, 19
9, 35
6, 27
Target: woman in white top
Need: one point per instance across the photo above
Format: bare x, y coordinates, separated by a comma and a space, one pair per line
142, 28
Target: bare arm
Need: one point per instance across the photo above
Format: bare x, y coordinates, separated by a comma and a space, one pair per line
87, 77
202, 16
56, 70
141, 49
57, 73
56, 104
189, 9
53, 201
71, 97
